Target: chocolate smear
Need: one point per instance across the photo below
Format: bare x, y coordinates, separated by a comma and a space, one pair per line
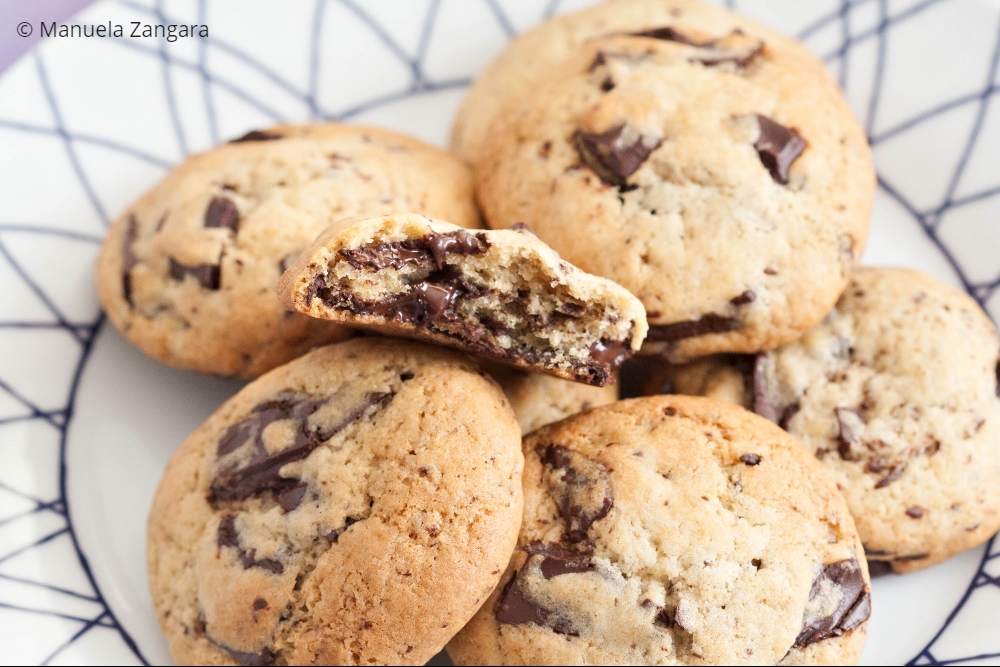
222, 212
558, 560
842, 584
778, 147
228, 536
516, 609
256, 135
614, 155
848, 422
707, 324
611, 353
257, 470
761, 404
580, 487
129, 260
208, 275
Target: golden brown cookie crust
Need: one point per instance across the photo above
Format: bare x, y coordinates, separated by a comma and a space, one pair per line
414, 501
719, 525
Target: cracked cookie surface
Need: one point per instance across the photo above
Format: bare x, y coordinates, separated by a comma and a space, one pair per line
322, 514
717, 175
188, 272
896, 393
674, 530
499, 294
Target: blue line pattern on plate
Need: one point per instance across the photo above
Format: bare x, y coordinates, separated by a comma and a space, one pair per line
84, 333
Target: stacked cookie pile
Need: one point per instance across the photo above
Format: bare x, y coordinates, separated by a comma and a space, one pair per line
659, 179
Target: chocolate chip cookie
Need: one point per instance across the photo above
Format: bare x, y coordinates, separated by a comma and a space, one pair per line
675, 530
896, 393
188, 272
355, 506
717, 175
501, 294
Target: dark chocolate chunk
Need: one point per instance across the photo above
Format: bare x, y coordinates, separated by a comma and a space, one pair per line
580, 487
750, 459
227, 535
744, 298
778, 147
998, 378
668, 34
787, 414
844, 579
222, 212
256, 135
706, 324
610, 157
846, 435
664, 617
457, 242
382, 256
611, 353
914, 512
911, 557
260, 603
258, 471
209, 275
558, 560
894, 474
761, 404
129, 260
423, 303
265, 657
291, 498
516, 609
879, 568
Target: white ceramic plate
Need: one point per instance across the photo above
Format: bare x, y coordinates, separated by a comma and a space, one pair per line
87, 423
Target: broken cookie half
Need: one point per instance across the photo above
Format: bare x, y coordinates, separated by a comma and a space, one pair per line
501, 294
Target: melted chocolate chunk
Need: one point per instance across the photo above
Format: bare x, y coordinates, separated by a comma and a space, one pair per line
222, 212
879, 568
750, 459
761, 404
423, 303
846, 435
416, 251
611, 353
259, 471
256, 135
227, 536
558, 560
580, 488
668, 34
778, 147
516, 609
292, 498
844, 580
744, 298
208, 275
706, 324
609, 156
129, 260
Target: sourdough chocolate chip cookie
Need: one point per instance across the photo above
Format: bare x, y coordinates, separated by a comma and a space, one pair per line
355, 506
717, 175
542, 399
188, 272
896, 393
502, 294
674, 530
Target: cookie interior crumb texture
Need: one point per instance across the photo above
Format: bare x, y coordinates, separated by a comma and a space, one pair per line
675, 530
188, 272
501, 294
